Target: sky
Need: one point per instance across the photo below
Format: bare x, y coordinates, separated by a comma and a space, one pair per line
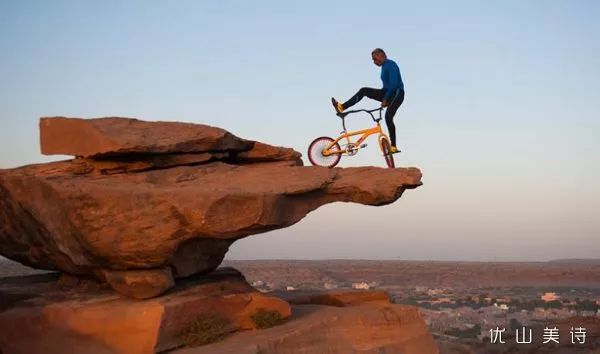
501, 114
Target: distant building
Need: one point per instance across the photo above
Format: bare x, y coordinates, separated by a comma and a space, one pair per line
501, 306
361, 286
329, 286
550, 297
261, 286
432, 292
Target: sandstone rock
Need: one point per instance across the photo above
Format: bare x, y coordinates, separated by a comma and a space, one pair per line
40, 317
71, 282
140, 163
114, 136
139, 284
184, 217
261, 152
367, 328
158, 195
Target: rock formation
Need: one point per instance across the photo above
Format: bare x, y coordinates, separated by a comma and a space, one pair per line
39, 314
360, 327
145, 203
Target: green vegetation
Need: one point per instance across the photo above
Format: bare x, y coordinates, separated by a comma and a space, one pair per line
266, 319
554, 304
587, 305
205, 329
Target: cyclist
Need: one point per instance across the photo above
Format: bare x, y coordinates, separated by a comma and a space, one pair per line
390, 96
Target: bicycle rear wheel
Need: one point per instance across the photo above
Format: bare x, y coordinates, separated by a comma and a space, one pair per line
315, 152
384, 143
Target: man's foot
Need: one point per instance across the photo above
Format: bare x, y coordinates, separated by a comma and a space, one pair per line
339, 108
394, 150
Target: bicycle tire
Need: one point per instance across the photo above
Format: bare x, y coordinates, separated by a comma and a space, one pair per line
384, 143
315, 152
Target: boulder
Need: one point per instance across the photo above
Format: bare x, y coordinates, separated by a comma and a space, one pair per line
38, 316
116, 136
316, 329
139, 284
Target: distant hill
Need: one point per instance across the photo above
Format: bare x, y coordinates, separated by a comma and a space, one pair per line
9, 268
588, 261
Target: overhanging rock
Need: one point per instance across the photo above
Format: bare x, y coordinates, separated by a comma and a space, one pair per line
165, 207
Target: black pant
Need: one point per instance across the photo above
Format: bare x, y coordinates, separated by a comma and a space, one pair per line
378, 94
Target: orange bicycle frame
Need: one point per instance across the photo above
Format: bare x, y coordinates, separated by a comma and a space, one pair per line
364, 134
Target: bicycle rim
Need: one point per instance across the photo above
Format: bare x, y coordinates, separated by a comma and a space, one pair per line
315, 152
386, 149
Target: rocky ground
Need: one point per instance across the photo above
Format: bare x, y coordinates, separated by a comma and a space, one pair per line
48, 313
136, 225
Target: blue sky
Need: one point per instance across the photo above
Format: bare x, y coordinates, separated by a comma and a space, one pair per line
501, 112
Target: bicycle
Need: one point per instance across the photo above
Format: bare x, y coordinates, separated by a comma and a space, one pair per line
327, 152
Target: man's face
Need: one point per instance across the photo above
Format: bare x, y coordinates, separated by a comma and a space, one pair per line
378, 58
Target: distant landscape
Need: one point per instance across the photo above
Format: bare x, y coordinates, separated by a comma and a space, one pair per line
595, 261
460, 301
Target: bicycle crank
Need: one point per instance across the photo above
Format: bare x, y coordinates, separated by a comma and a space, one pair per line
351, 149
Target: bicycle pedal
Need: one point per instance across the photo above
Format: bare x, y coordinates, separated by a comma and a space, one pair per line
363, 146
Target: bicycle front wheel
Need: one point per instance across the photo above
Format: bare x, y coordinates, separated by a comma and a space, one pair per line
316, 149
384, 143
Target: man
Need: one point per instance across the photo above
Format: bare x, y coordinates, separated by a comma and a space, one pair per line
390, 96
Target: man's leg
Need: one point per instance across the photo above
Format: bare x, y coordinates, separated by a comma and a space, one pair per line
397, 100
373, 93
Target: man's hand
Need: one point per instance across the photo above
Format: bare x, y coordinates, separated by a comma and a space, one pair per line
384, 103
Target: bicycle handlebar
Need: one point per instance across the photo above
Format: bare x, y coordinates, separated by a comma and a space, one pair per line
344, 114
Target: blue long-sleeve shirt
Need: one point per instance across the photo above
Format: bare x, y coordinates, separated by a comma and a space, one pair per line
392, 80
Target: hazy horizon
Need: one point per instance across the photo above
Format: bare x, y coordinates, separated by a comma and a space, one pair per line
566, 260
501, 112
